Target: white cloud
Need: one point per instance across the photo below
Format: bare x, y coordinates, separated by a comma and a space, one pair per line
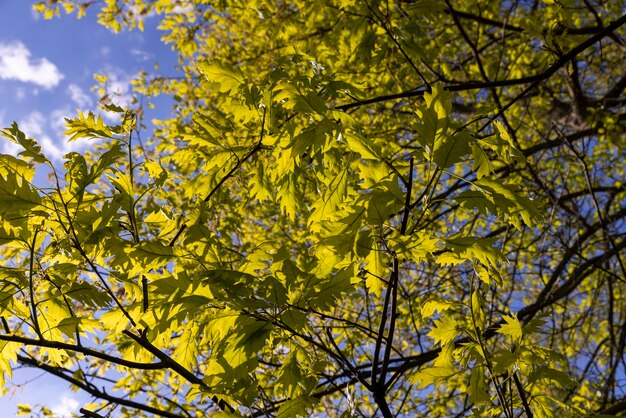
118, 87
57, 148
140, 55
7, 146
10, 148
20, 94
183, 9
55, 151
16, 64
66, 407
136, 11
78, 96
118, 91
57, 120
48, 132
33, 124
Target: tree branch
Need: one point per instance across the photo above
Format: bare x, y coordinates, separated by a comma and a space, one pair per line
83, 350
93, 390
477, 85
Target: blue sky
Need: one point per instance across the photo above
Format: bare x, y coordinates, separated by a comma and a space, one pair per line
46, 72
47, 67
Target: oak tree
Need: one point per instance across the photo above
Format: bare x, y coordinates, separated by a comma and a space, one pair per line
356, 208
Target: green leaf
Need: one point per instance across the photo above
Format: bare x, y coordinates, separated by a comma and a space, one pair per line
290, 378
23, 409
511, 327
294, 319
431, 376
334, 194
8, 234
474, 199
10, 164
434, 121
17, 194
233, 287
105, 162
157, 216
478, 387
360, 145
558, 377
220, 322
503, 360
76, 174
298, 407
150, 255
382, 204
300, 101
248, 339
326, 291
482, 163
471, 248
31, 148
227, 414
310, 139
478, 314
445, 330
449, 150
377, 271
121, 181
341, 233
90, 126
435, 303
510, 201
503, 145
338, 88
227, 77
186, 352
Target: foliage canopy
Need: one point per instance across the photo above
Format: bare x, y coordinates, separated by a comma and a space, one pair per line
357, 208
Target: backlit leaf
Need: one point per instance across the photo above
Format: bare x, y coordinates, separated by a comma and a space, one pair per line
445, 330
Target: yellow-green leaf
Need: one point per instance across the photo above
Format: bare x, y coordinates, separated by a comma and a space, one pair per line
444, 331
511, 327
